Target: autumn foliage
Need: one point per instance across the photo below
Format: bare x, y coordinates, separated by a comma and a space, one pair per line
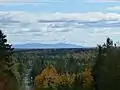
49, 77
87, 79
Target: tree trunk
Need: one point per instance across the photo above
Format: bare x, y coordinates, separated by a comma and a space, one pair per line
3, 83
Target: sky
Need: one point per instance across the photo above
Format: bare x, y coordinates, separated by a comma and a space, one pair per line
80, 22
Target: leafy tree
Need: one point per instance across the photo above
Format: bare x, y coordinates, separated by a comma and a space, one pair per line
87, 79
48, 78
78, 82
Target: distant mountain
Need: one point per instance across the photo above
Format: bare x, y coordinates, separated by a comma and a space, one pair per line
45, 46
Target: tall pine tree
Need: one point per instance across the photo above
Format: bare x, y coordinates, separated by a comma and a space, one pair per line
5, 51
106, 71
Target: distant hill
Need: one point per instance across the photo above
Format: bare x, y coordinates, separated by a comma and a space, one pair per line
45, 46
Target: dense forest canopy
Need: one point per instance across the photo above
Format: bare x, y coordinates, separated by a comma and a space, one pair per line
60, 69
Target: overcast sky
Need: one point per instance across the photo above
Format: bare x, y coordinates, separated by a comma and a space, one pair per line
81, 22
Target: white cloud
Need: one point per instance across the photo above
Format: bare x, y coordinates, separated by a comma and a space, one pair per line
101, 30
78, 28
114, 8
32, 2
14, 1
90, 16
108, 32
103, 0
29, 1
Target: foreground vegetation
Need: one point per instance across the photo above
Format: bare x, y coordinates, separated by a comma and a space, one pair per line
61, 69
9, 74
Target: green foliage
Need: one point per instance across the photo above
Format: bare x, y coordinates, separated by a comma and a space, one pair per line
72, 61
14, 70
8, 66
11, 80
5, 49
106, 71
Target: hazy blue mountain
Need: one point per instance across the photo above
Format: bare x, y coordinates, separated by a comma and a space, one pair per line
41, 46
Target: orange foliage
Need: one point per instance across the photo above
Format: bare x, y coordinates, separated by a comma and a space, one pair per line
87, 76
48, 77
67, 79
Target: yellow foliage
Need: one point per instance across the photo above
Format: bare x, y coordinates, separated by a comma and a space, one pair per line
39, 80
87, 76
49, 71
49, 76
67, 79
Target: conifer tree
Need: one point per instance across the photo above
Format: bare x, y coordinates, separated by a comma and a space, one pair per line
106, 71
5, 51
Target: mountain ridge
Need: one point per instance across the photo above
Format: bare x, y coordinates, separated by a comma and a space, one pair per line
42, 46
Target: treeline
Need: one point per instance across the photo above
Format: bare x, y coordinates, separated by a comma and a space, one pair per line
64, 60
96, 69
99, 73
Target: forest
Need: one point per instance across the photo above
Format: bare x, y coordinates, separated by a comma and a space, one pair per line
60, 69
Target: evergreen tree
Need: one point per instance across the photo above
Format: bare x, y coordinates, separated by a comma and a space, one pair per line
5, 52
8, 68
106, 71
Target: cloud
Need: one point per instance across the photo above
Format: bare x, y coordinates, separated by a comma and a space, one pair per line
86, 29
15, 1
31, 2
101, 30
103, 0
114, 8
108, 32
